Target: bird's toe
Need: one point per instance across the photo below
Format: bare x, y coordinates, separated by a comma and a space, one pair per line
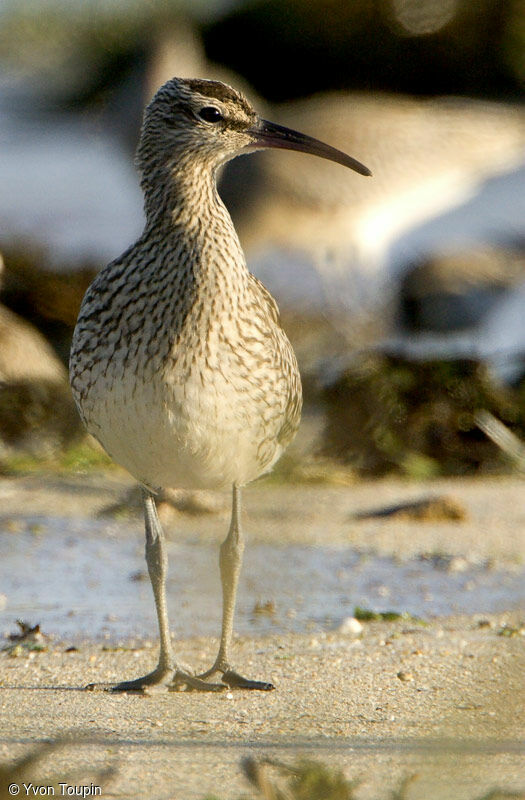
183, 682
236, 681
156, 681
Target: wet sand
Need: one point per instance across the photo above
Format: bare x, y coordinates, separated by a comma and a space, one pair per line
444, 700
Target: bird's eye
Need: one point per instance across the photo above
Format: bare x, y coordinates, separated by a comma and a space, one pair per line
210, 114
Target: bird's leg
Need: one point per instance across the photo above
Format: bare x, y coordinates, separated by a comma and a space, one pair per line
230, 562
166, 674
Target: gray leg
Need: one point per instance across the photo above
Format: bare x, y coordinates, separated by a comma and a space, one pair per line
157, 561
166, 673
230, 562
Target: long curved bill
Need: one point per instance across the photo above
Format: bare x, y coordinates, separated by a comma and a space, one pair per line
268, 134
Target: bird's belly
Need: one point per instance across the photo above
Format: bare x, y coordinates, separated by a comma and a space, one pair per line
188, 434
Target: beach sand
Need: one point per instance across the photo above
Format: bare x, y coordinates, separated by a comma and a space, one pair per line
443, 701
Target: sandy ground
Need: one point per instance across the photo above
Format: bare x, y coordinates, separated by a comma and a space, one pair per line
444, 701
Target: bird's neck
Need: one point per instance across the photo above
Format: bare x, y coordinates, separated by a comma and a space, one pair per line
179, 194
185, 213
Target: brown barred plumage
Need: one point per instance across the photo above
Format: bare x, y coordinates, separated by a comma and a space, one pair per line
179, 365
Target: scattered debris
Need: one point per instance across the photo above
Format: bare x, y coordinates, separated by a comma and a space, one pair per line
313, 780
510, 631
484, 623
27, 631
308, 780
139, 576
350, 627
446, 562
268, 608
367, 615
28, 639
429, 509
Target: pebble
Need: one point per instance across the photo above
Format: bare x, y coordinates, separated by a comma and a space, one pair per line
458, 564
350, 627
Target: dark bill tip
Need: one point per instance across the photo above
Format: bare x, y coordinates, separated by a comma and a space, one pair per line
268, 134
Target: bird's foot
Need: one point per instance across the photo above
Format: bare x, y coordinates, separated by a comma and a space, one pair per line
236, 681
184, 682
162, 679
233, 680
158, 680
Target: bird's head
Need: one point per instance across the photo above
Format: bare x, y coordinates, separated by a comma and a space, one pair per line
209, 123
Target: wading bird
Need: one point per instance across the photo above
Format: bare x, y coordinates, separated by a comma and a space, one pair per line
179, 365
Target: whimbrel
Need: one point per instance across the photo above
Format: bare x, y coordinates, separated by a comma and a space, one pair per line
179, 365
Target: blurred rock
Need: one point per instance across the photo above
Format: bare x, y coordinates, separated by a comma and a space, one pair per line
428, 509
47, 298
504, 331
389, 414
350, 626
37, 412
455, 291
